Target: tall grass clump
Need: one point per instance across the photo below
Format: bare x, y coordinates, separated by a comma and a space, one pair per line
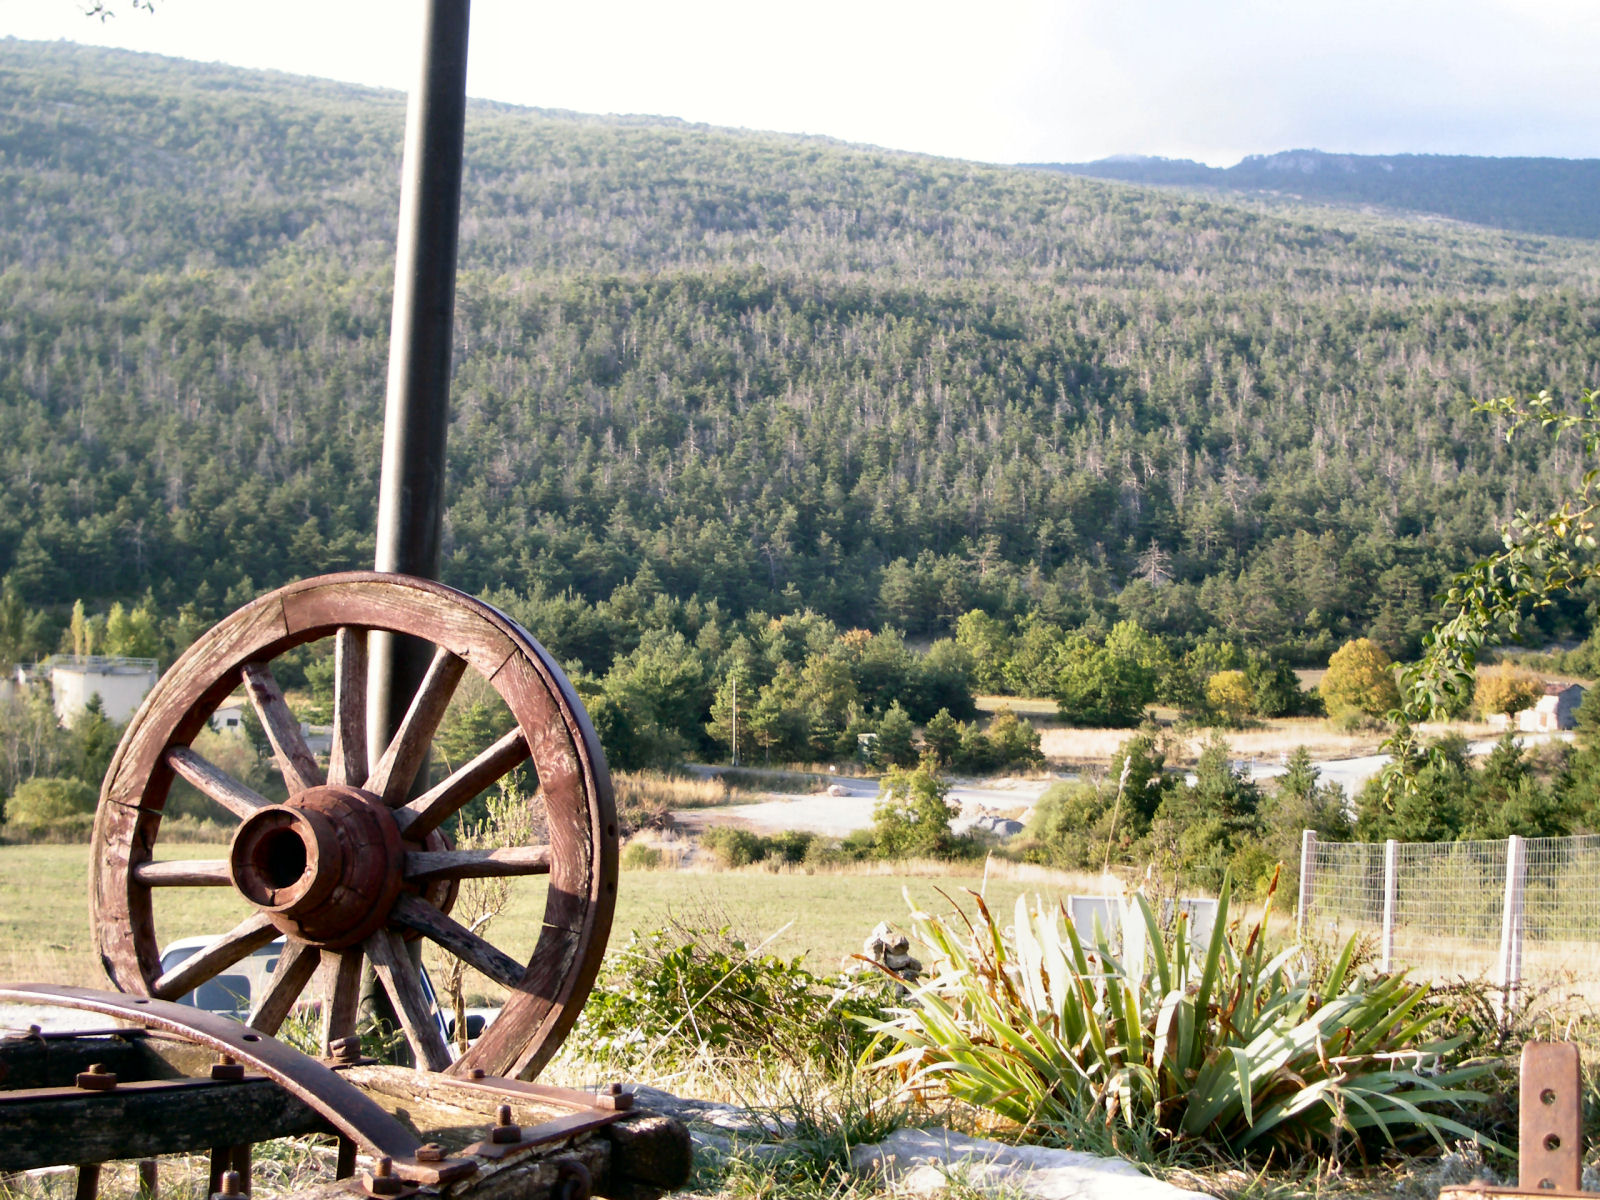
1145, 1043
692, 994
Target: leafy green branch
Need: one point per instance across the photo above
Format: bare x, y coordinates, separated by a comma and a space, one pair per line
1543, 556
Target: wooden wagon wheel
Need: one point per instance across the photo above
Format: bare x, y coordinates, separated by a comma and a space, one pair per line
349, 868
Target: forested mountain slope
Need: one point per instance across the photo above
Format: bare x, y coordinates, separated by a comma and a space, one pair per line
1530, 195
770, 371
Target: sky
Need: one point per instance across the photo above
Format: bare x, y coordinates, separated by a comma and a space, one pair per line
996, 81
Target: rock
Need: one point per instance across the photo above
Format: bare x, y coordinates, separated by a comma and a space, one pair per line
698, 1112
885, 940
926, 1161
887, 945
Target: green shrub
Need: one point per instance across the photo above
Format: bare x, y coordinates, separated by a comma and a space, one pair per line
1166, 1043
63, 831
734, 847
681, 993
832, 852
790, 846
636, 856
42, 801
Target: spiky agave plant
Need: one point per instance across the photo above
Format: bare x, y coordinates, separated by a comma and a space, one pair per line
1168, 1043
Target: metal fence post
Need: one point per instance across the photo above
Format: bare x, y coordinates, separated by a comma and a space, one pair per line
1308, 866
1511, 926
1391, 889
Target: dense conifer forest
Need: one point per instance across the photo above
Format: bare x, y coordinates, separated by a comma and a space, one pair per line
753, 372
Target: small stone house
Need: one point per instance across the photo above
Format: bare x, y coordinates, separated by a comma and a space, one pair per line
1556, 709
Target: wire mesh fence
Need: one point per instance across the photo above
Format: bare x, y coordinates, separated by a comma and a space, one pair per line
1508, 911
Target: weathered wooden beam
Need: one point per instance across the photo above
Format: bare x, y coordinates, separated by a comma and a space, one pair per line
38, 1062
48, 1126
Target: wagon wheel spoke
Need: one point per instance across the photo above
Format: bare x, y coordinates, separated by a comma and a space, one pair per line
341, 994
249, 935
296, 965
397, 767
431, 809
192, 872
428, 866
294, 757
347, 761
403, 982
211, 779
416, 914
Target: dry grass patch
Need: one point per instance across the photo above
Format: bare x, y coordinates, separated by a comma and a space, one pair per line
1033, 707
1081, 747
651, 791
1270, 739
1282, 735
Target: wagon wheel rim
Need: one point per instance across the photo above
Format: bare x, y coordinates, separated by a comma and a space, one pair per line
338, 909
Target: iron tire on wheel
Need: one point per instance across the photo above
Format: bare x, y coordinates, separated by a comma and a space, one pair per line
349, 866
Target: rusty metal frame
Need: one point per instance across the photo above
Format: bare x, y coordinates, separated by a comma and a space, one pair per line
344, 1106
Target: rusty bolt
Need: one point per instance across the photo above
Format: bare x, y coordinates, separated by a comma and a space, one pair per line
383, 1181
430, 1152
227, 1069
477, 1072
230, 1184
97, 1078
345, 1049
504, 1132
613, 1089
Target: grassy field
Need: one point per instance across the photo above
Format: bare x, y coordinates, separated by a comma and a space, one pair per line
44, 911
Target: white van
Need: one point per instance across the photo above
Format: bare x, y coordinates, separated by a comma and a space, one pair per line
230, 994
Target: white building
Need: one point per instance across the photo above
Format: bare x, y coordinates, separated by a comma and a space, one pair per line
229, 716
121, 683
1556, 709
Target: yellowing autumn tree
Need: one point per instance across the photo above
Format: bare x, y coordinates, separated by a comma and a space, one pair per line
1230, 695
1506, 689
1360, 678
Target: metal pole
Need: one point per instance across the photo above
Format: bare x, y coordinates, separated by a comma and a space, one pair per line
1391, 889
416, 414
416, 409
1308, 867
1511, 918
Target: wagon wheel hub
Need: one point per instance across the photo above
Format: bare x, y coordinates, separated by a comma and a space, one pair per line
326, 865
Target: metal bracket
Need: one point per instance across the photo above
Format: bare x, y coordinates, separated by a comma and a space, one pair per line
1549, 1127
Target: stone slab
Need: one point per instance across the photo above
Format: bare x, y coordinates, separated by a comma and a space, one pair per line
927, 1161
